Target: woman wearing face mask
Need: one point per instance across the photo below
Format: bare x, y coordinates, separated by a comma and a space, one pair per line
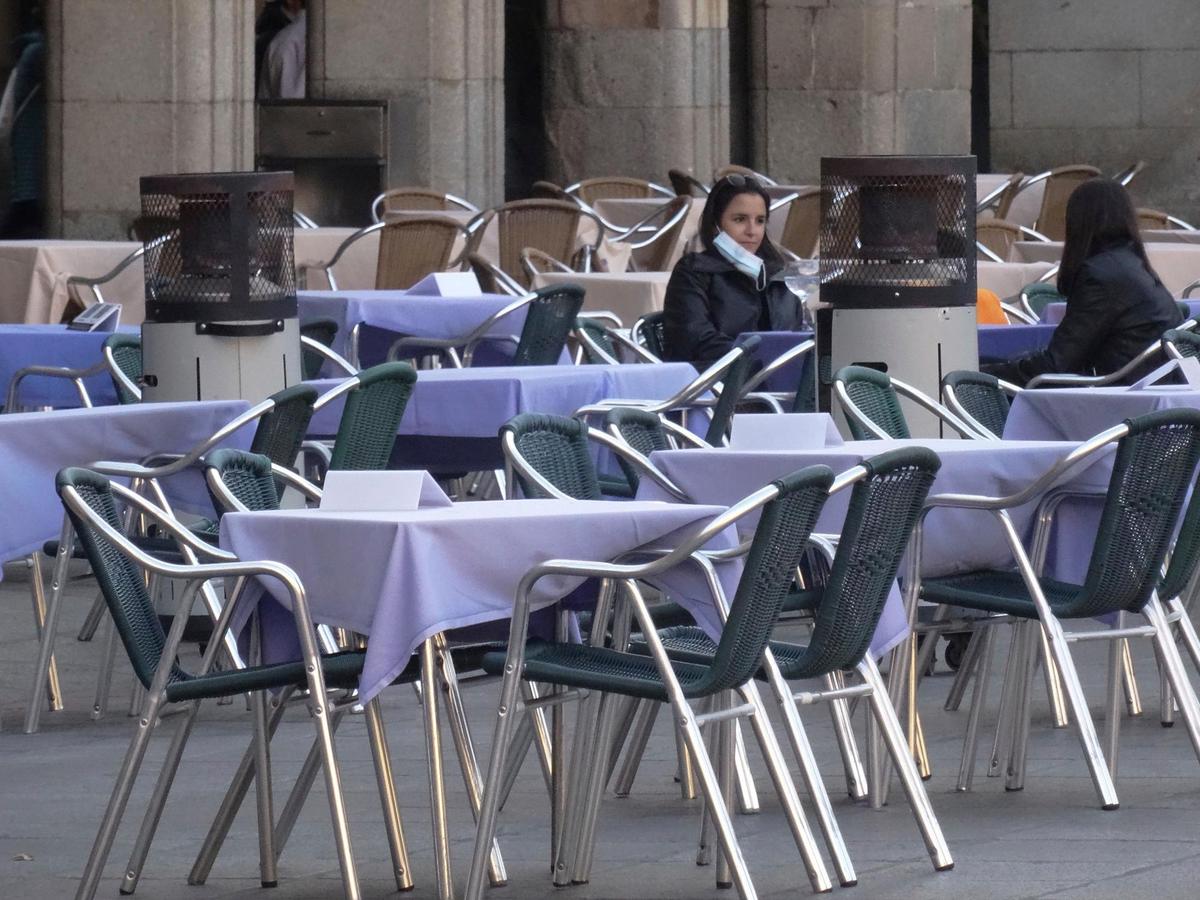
735, 284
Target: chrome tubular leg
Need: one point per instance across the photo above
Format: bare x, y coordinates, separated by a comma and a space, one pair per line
41, 670
108, 657
522, 740
158, 799
1053, 683
572, 820
639, 737
725, 777
843, 729
687, 773
232, 801
384, 780
628, 712
437, 784
117, 801
983, 664
1187, 631
38, 594
1189, 707
1023, 707
1002, 742
1112, 706
967, 668
743, 776
931, 831
1133, 696
94, 617
302, 787
594, 781
264, 802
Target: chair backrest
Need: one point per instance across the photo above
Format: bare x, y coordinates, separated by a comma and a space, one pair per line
323, 331
1152, 218
802, 228
640, 429
650, 332
119, 578
614, 188
404, 199
731, 392
548, 322
1185, 343
547, 190
411, 248
547, 225
367, 430
685, 184
126, 352
247, 476
556, 447
883, 509
1185, 554
594, 339
657, 256
1153, 468
805, 400
281, 430
1052, 218
1039, 295
997, 235
779, 542
979, 397
1011, 189
873, 396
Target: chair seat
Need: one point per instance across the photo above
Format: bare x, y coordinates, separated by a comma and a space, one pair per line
997, 591
599, 669
691, 644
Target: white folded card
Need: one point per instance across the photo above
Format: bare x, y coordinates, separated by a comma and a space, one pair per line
387, 491
447, 284
1189, 367
789, 431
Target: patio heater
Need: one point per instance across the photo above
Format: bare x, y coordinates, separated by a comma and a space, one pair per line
220, 286
897, 247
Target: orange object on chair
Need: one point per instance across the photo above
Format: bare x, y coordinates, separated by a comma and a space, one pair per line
987, 308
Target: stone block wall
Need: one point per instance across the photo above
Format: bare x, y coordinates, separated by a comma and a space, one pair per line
843, 77
1103, 82
635, 87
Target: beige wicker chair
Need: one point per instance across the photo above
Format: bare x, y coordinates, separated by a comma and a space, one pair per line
409, 249
491, 279
996, 237
732, 169
547, 190
1060, 182
616, 188
551, 226
405, 199
685, 184
802, 227
1001, 198
1155, 219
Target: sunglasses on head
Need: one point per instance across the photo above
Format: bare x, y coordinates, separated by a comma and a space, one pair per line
741, 181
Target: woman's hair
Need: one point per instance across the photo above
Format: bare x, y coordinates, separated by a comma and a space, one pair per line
1099, 216
720, 196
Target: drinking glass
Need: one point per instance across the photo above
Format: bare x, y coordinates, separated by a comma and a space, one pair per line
800, 276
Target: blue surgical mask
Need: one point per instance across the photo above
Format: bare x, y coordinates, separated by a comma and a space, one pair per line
749, 264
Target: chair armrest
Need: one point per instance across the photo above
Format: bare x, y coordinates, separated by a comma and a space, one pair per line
328, 353
74, 375
327, 268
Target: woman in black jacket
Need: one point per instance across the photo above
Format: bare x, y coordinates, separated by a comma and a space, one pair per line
1116, 305
734, 285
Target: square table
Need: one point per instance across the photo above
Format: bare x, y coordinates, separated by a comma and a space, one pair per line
34, 273
54, 345
1076, 414
630, 295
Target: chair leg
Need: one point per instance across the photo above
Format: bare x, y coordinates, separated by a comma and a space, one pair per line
94, 617
1002, 742
302, 787
628, 712
437, 784
687, 773
639, 737
1022, 706
967, 668
1133, 696
1112, 709
1053, 683
158, 799
594, 790
384, 780
117, 801
264, 805
725, 777
983, 664
586, 732
522, 740
1187, 631
37, 696
743, 775
843, 729
38, 595
108, 658
893, 736
1189, 706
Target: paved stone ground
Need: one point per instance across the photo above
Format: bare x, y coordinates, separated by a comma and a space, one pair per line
1050, 840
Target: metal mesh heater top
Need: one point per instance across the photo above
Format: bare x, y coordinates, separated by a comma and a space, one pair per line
898, 231
218, 247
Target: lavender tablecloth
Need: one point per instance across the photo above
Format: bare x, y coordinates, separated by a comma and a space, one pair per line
34, 446
1076, 414
53, 345
402, 577
1054, 312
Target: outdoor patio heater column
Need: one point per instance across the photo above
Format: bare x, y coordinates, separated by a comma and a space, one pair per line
220, 286
897, 246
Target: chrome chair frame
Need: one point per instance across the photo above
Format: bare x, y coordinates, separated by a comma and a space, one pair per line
904, 390
451, 198
327, 268
1063, 379
469, 341
956, 407
774, 400
75, 376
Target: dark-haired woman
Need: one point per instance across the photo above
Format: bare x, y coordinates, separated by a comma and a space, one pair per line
1116, 304
735, 284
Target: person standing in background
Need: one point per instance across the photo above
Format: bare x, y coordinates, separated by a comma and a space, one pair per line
25, 103
283, 67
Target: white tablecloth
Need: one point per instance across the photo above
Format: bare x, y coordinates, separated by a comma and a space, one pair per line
1178, 265
628, 294
34, 273
1007, 278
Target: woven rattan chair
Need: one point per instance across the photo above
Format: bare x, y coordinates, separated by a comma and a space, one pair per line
123, 357
803, 399
1060, 183
549, 319
375, 400
979, 399
788, 510
76, 284
995, 238
887, 493
731, 391
650, 332
1154, 219
406, 199
551, 226
91, 504
870, 400
644, 432
1181, 344
1152, 470
656, 237
323, 331
409, 249
1034, 298
685, 184
547, 190
616, 188
802, 228
1001, 198
602, 341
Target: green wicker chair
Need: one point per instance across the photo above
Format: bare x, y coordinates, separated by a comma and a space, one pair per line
1034, 298
281, 430
887, 493
595, 342
549, 319
375, 403
870, 400
644, 432
1153, 468
123, 356
650, 332
731, 393
1181, 344
323, 331
789, 508
118, 565
979, 399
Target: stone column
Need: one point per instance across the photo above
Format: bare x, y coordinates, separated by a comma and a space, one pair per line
845, 77
440, 65
636, 87
141, 87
